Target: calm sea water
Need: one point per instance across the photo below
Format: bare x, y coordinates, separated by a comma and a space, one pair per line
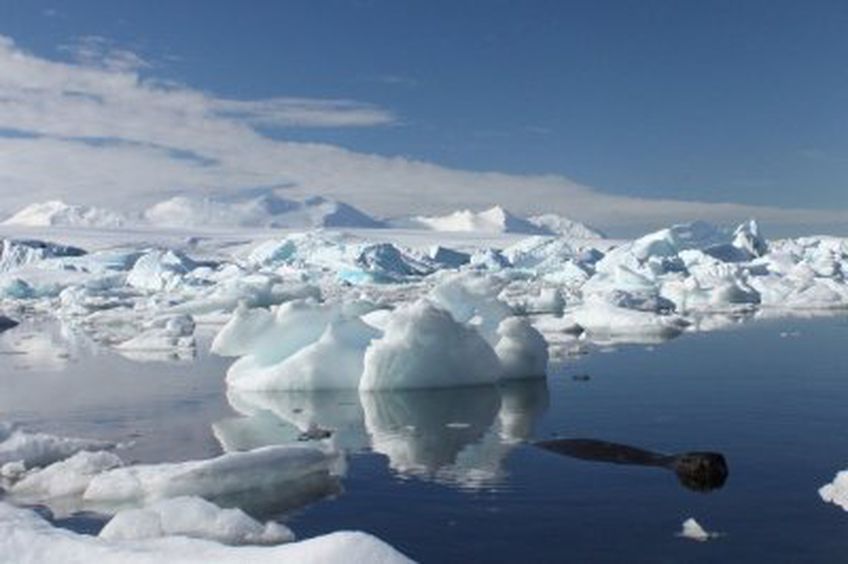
451, 476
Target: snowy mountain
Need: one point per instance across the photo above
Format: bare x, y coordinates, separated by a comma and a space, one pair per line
264, 210
492, 220
58, 213
565, 227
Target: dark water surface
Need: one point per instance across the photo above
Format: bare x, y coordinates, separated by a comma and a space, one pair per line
449, 476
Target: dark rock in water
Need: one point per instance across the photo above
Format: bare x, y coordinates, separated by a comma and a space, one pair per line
7, 323
315, 434
699, 471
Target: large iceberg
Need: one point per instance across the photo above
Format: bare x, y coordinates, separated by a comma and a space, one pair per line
425, 347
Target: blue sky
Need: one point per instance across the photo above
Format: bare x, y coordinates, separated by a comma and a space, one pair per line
722, 101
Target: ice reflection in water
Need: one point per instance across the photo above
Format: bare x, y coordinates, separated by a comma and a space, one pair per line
458, 437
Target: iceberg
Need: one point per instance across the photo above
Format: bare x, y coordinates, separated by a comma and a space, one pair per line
425, 347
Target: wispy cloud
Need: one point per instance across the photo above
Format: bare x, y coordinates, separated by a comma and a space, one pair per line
303, 112
96, 131
99, 52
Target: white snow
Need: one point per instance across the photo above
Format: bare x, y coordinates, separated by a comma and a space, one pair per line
564, 227
31, 539
265, 209
492, 220
58, 213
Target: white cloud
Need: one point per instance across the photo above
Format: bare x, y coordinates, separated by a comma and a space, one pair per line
293, 112
100, 52
95, 132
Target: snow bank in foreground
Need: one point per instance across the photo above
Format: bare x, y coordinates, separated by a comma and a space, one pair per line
29, 538
193, 517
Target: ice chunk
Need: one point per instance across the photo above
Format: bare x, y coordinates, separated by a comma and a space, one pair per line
15, 253
604, 319
836, 492
163, 334
522, 350
193, 517
694, 531
269, 474
302, 345
448, 257
473, 298
69, 477
41, 449
160, 269
30, 538
333, 361
423, 347
747, 238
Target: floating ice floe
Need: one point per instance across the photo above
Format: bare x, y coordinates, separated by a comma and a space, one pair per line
30, 538
254, 477
836, 492
694, 531
193, 517
40, 449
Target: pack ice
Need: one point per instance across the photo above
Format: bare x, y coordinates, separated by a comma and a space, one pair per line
467, 302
